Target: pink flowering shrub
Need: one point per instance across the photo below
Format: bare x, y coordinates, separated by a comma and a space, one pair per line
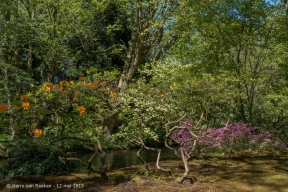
228, 139
183, 135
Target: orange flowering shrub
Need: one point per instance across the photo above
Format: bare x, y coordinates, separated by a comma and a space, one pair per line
26, 105
47, 90
81, 109
62, 98
64, 83
3, 108
164, 95
47, 87
57, 86
113, 94
38, 132
89, 85
82, 79
103, 84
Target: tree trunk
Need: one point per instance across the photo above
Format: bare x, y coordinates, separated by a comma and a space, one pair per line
144, 37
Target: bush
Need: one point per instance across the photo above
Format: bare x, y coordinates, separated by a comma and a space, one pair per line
229, 139
28, 159
236, 137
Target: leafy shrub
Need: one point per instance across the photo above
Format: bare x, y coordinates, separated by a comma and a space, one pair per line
228, 139
28, 159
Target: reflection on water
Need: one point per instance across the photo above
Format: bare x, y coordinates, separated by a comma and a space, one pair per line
120, 158
124, 158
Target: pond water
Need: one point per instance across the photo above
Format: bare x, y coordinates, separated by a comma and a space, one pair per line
120, 158
124, 158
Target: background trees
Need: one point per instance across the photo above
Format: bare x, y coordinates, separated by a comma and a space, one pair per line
219, 60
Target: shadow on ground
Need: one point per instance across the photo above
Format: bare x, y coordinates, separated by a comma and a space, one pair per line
265, 171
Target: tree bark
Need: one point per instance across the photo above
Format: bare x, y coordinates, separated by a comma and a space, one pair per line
144, 36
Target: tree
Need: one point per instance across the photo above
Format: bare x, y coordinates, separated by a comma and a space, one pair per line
148, 19
234, 41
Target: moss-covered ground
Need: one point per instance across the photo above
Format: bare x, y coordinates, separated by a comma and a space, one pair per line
262, 171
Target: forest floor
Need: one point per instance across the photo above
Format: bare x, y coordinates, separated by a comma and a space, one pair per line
265, 171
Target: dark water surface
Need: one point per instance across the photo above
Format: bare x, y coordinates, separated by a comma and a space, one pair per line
124, 158
120, 158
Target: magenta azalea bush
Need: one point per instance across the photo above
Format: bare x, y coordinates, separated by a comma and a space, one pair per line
183, 135
228, 139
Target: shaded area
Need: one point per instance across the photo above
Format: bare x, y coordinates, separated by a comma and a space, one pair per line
265, 171
124, 158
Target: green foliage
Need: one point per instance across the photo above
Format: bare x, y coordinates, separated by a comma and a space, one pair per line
28, 159
228, 63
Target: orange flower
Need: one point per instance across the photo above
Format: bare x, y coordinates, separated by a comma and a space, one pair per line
38, 132
81, 109
26, 105
57, 86
64, 83
112, 98
24, 98
113, 94
3, 108
103, 84
89, 85
47, 85
82, 79
162, 95
47, 90
15, 107
72, 83
75, 99
212, 78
